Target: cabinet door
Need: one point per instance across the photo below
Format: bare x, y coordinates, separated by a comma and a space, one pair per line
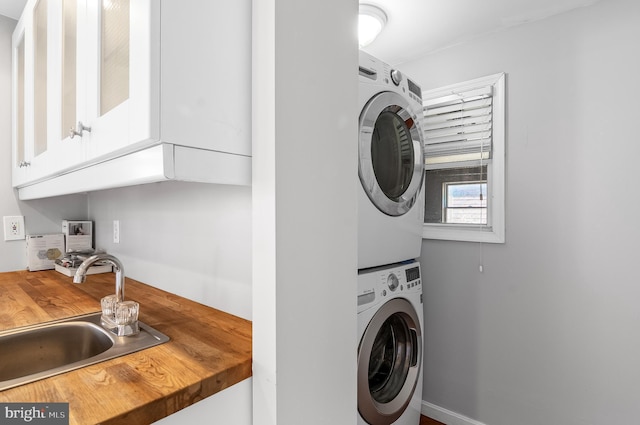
72, 75
66, 89
39, 41
119, 77
41, 149
20, 165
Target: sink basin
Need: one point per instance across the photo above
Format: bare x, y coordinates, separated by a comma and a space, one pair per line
36, 352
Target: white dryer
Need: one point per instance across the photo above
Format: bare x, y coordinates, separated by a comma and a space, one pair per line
390, 323
390, 165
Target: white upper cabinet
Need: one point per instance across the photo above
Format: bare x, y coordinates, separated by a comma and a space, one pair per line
162, 89
40, 148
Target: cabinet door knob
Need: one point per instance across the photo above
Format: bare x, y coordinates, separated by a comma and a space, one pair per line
73, 132
24, 164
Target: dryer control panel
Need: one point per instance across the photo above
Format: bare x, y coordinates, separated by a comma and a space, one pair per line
373, 70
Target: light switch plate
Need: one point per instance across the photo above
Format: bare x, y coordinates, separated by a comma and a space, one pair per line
116, 231
13, 227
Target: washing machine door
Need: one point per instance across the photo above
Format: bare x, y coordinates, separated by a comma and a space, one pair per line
389, 361
390, 149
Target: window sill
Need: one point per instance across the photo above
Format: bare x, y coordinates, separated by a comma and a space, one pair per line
462, 233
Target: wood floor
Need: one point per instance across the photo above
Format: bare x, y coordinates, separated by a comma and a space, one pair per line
428, 421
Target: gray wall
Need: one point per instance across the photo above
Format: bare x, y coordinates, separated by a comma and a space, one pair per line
41, 216
548, 334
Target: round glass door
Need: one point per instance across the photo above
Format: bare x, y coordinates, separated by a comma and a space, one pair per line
389, 360
391, 155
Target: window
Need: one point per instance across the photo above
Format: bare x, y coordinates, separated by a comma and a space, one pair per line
464, 161
466, 203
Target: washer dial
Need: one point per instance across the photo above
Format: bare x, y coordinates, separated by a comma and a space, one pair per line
392, 282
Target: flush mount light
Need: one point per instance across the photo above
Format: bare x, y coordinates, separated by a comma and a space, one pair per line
371, 21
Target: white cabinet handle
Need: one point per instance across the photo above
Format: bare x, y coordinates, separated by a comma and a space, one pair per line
78, 130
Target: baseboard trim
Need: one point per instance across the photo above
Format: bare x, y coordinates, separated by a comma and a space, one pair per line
446, 416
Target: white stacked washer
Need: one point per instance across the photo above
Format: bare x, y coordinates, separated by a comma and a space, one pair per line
390, 323
390, 165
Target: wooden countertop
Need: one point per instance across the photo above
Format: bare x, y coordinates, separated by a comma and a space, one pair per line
209, 350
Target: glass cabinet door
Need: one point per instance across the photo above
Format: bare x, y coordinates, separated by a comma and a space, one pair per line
40, 66
69, 41
22, 45
22, 100
67, 75
114, 54
119, 74
19, 105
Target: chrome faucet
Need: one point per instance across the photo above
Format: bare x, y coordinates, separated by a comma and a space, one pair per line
81, 273
118, 316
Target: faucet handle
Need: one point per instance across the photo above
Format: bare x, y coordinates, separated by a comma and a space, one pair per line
108, 305
121, 318
126, 312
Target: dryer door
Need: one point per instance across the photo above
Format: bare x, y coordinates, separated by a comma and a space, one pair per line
391, 161
389, 361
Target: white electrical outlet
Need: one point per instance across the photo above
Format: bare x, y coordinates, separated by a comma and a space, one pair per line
13, 227
116, 231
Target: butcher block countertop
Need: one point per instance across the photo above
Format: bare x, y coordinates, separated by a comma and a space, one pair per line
209, 350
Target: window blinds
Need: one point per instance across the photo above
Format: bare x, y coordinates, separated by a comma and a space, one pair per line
458, 127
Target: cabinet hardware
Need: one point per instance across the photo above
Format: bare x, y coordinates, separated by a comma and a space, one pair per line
78, 130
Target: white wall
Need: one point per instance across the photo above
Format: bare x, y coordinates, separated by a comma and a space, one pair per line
228, 407
41, 216
304, 183
191, 239
548, 334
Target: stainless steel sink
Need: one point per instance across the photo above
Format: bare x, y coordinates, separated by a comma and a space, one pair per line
36, 352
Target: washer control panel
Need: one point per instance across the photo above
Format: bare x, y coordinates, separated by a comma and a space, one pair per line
379, 284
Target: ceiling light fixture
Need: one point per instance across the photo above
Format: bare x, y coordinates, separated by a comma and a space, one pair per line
371, 21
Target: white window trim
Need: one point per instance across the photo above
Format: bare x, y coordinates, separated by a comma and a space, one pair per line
495, 233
